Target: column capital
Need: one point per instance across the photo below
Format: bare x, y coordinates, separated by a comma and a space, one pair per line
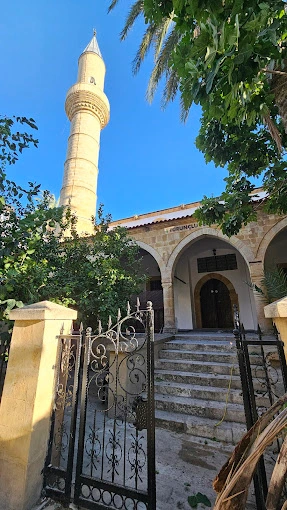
166, 283
256, 268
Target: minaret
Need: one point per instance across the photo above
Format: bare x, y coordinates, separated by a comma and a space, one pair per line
88, 109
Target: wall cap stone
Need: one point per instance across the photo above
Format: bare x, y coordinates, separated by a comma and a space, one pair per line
42, 311
276, 309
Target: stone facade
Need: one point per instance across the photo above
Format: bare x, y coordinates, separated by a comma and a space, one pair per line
166, 236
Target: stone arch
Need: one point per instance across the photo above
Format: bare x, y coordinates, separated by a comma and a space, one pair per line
153, 253
197, 306
240, 246
269, 236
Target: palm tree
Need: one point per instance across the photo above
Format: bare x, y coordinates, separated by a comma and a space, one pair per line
163, 39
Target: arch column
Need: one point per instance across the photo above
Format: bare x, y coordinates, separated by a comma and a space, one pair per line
168, 304
256, 276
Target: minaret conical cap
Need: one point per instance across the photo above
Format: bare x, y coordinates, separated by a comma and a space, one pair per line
93, 46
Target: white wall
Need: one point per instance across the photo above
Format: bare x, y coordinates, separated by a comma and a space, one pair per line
182, 296
186, 269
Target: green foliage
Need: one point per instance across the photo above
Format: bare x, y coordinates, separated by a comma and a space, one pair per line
198, 498
12, 142
273, 285
234, 208
229, 57
39, 261
222, 52
96, 274
246, 154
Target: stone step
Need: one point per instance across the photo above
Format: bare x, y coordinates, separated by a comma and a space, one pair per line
196, 366
227, 432
205, 337
197, 391
200, 346
202, 379
213, 393
192, 377
211, 356
173, 353
199, 407
216, 344
208, 367
219, 380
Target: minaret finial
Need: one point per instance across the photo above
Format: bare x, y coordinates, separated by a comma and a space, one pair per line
93, 45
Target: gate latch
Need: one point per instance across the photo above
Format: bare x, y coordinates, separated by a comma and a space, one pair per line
140, 408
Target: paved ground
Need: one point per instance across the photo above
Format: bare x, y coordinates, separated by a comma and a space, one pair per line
184, 467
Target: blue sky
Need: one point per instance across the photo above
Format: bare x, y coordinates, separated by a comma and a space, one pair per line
148, 160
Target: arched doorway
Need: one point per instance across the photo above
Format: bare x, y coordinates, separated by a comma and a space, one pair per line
206, 258
152, 289
215, 305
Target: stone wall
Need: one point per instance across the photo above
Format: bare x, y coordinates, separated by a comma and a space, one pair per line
167, 240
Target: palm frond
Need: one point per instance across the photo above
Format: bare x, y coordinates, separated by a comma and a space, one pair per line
135, 11
184, 110
275, 283
163, 38
112, 5
162, 63
162, 33
170, 89
147, 40
238, 484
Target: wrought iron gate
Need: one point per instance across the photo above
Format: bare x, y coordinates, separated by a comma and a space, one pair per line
101, 452
263, 374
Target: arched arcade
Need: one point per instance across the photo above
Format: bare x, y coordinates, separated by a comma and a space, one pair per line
210, 275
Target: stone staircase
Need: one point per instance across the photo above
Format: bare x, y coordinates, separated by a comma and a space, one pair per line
192, 376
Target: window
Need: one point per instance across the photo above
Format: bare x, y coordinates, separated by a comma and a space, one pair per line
154, 284
217, 263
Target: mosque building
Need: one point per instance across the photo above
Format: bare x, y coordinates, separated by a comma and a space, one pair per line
196, 274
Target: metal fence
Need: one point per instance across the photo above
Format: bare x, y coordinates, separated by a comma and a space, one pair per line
102, 445
263, 373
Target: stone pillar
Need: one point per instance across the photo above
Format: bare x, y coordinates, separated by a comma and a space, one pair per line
168, 304
256, 275
277, 311
27, 399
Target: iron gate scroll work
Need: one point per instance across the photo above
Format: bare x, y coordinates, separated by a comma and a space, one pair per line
263, 374
101, 451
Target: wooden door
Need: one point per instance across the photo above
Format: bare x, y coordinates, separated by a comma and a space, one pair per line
216, 311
